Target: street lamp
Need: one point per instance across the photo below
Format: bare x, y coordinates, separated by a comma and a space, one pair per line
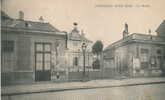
84, 46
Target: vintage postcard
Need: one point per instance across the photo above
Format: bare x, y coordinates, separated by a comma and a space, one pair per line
82, 49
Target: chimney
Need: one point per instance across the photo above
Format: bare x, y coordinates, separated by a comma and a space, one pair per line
149, 31
75, 30
21, 15
41, 19
75, 25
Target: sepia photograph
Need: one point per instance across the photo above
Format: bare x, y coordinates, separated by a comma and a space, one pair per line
82, 49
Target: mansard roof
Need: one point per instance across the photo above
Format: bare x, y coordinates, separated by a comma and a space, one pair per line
26, 25
30, 25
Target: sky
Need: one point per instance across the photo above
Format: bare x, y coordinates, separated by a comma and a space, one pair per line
99, 19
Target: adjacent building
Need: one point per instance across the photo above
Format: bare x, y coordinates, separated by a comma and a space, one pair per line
30, 49
74, 53
137, 54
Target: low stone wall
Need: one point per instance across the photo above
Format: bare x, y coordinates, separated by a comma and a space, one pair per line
91, 75
75, 76
62, 76
147, 73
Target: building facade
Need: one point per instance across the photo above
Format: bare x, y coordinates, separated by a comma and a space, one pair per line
136, 55
29, 49
74, 53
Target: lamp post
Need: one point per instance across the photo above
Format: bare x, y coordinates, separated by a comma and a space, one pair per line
84, 46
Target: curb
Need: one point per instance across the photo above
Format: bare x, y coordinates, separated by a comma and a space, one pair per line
79, 88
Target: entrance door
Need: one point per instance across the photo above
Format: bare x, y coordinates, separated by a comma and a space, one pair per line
42, 61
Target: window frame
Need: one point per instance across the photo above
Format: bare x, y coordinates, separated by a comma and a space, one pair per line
43, 53
144, 54
144, 57
75, 61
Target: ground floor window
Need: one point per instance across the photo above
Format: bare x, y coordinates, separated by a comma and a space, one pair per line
43, 56
159, 61
75, 61
144, 58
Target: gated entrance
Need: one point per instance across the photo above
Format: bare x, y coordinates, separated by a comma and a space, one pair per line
42, 61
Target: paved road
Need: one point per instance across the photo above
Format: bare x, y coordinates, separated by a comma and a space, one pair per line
140, 92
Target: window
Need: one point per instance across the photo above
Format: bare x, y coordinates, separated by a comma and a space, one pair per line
47, 48
159, 57
7, 46
43, 56
144, 58
144, 55
39, 47
39, 61
144, 51
153, 60
47, 61
75, 61
159, 52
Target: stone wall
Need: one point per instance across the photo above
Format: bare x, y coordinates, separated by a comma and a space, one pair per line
92, 75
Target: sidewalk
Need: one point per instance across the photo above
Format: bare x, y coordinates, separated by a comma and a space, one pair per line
55, 87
